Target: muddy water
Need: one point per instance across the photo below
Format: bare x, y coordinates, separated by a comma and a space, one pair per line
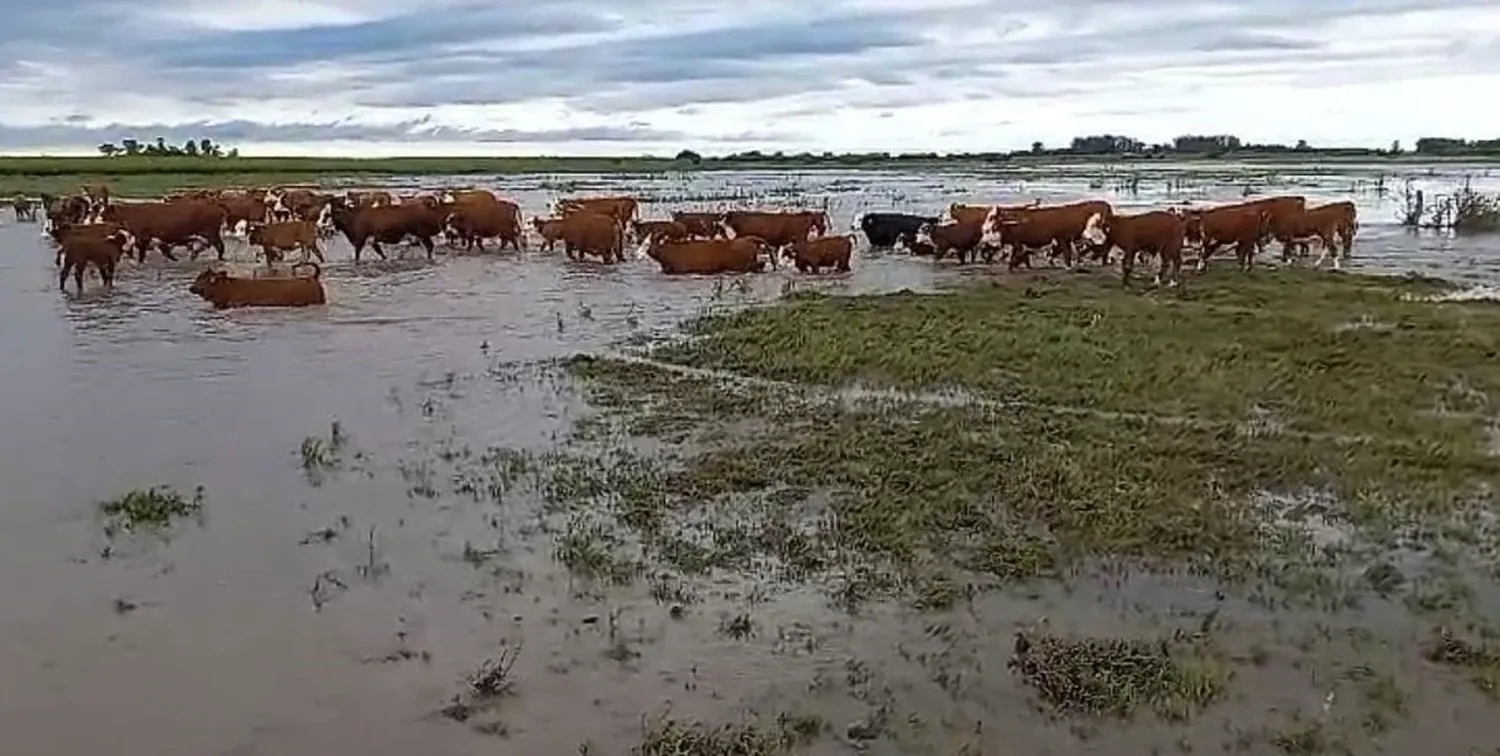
236, 637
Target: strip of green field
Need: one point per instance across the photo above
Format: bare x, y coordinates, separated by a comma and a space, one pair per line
152, 176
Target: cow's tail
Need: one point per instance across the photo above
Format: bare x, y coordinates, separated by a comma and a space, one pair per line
317, 270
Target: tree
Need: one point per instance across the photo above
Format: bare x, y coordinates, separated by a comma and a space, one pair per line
1301, 145
190, 148
109, 150
161, 146
1396, 147
1036, 146
688, 156
207, 147
131, 146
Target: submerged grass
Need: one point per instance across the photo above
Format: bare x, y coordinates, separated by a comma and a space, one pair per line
152, 508
1115, 677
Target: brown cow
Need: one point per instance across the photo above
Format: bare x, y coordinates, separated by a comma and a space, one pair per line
1242, 224
812, 255
960, 237
280, 236
474, 221
1159, 232
98, 244
738, 255
242, 209
622, 209
1333, 225
666, 230
777, 228
1056, 226
386, 224
589, 233
550, 229
24, 209
701, 225
170, 224
224, 291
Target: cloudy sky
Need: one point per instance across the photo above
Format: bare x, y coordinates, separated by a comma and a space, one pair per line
656, 76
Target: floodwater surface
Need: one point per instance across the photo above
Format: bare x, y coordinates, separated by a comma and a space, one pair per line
299, 619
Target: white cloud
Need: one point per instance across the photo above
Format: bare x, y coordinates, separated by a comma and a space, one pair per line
588, 77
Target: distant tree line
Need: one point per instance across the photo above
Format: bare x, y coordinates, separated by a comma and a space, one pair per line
1106, 145
200, 148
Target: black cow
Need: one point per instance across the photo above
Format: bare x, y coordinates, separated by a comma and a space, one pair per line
886, 229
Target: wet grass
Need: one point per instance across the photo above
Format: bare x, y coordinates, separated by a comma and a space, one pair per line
667, 736
1305, 442
1114, 677
153, 508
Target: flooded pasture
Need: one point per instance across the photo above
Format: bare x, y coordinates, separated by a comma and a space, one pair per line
396, 552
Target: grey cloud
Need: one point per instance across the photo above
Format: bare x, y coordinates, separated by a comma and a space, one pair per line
239, 132
627, 58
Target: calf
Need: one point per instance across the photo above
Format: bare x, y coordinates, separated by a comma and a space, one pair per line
938, 239
282, 236
885, 230
812, 255
1159, 233
224, 291
24, 209
550, 229
741, 254
100, 244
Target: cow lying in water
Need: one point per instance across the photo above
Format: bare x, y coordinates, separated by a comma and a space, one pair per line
224, 291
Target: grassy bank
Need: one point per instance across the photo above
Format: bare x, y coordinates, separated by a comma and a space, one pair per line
153, 176
1300, 465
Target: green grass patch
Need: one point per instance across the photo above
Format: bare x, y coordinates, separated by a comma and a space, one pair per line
1201, 430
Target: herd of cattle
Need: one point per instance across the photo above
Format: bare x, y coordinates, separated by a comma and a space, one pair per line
90, 229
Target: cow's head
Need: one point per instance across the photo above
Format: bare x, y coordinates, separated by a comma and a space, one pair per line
996, 223
208, 282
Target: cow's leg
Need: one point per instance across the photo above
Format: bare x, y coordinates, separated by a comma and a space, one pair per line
62, 278
166, 251
426, 242
78, 276
1127, 264
107, 272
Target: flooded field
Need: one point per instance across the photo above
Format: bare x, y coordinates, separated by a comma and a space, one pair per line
423, 529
